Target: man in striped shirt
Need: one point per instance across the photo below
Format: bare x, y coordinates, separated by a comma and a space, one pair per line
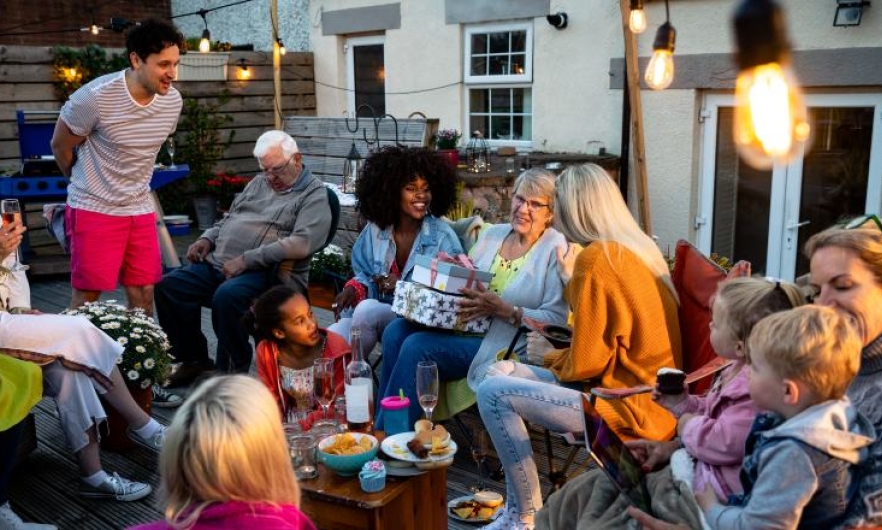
106, 140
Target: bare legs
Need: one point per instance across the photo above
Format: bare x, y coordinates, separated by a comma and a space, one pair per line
137, 295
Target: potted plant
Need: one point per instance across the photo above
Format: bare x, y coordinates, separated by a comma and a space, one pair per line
445, 142
225, 186
332, 264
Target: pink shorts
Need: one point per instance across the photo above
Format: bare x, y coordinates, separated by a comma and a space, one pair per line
106, 248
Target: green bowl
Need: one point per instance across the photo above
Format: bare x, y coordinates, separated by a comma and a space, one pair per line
347, 465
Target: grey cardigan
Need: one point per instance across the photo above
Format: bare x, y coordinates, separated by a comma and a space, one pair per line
537, 289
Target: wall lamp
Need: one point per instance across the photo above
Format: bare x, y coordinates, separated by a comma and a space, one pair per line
849, 12
558, 20
244, 73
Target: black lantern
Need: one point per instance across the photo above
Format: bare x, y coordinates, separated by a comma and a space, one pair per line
351, 170
477, 154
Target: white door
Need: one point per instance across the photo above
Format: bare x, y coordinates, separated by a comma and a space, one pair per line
366, 73
766, 216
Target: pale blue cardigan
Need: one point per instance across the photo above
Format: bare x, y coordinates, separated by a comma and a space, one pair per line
537, 289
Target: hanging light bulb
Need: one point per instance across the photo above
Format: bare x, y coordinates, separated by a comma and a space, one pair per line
94, 29
660, 71
205, 42
282, 50
637, 20
771, 121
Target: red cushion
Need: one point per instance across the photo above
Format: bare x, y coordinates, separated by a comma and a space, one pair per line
695, 278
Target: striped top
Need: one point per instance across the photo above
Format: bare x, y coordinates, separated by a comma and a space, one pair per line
113, 166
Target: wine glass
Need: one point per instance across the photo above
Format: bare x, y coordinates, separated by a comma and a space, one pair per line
11, 211
323, 386
427, 386
170, 148
479, 454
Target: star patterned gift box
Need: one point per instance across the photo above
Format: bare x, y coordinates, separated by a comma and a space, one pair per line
435, 309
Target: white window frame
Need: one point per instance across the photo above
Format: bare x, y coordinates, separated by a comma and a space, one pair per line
493, 142
352, 42
526, 77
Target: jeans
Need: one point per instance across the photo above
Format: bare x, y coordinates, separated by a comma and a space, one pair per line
506, 402
405, 344
180, 297
372, 317
9, 440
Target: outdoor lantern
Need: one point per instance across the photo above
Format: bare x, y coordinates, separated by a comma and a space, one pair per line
351, 170
849, 12
771, 121
477, 154
637, 19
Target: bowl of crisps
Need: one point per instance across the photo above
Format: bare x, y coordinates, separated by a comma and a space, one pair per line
346, 453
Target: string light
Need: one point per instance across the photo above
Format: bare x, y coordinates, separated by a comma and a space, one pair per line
244, 73
282, 50
771, 121
205, 42
660, 71
637, 19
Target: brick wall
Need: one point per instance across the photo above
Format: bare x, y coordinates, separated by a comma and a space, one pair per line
60, 16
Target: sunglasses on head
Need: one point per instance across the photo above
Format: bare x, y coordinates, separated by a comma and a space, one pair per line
860, 221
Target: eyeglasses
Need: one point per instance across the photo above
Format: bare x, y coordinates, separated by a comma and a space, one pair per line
278, 169
858, 222
532, 206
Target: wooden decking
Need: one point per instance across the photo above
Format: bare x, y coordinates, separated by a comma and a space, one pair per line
44, 486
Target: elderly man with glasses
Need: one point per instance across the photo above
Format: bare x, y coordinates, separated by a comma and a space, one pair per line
274, 226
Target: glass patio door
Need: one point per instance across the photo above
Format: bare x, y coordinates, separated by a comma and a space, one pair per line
366, 73
767, 216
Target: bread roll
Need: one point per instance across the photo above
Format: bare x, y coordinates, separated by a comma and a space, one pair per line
490, 499
422, 425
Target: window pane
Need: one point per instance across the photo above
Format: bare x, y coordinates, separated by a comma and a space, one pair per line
500, 101
517, 100
517, 64
498, 65
519, 41
523, 128
479, 66
500, 127
478, 100
478, 123
370, 78
479, 43
499, 42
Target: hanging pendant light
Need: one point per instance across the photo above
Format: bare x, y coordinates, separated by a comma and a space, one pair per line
637, 18
660, 71
771, 121
205, 42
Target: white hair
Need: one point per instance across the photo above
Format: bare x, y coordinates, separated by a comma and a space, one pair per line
275, 138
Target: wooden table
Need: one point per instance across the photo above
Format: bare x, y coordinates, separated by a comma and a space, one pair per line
407, 503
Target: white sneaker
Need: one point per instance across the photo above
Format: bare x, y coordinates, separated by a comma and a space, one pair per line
10, 521
164, 399
116, 487
508, 520
154, 443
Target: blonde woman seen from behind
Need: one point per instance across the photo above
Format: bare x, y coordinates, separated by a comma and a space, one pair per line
225, 462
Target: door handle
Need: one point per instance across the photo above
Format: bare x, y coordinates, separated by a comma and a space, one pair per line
794, 226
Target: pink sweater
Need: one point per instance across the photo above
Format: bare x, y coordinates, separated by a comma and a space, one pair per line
716, 437
234, 515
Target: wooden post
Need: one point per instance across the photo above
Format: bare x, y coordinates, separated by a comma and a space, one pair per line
632, 69
277, 61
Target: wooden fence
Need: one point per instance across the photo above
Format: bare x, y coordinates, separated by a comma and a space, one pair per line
26, 84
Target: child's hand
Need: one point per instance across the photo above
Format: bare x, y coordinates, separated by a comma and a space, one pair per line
650, 453
668, 401
706, 498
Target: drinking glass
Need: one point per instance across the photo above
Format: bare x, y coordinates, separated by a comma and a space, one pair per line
480, 446
427, 386
11, 211
323, 386
170, 148
304, 456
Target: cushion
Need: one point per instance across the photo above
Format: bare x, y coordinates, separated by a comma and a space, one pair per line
695, 277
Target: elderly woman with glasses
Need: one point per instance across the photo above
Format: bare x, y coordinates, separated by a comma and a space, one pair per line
522, 254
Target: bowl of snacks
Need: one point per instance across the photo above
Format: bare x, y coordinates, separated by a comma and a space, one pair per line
346, 453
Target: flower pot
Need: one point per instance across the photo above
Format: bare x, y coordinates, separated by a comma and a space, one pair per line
206, 211
113, 431
451, 156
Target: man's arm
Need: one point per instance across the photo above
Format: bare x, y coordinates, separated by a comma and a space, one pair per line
63, 143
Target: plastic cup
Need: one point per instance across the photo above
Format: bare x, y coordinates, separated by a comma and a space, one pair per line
304, 456
395, 414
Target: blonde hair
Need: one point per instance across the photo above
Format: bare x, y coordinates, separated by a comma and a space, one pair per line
225, 444
749, 300
814, 345
591, 209
866, 241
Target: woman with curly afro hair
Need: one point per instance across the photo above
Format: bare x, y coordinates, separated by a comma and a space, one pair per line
402, 194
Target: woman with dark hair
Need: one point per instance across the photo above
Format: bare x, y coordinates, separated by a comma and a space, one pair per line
402, 194
290, 341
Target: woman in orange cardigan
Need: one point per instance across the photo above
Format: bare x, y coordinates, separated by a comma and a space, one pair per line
625, 328
290, 342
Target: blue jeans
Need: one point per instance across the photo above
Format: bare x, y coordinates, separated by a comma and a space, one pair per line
405, 344
179, 299
506, 402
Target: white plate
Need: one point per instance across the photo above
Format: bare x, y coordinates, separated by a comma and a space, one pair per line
452, 504
406, 471
395, 446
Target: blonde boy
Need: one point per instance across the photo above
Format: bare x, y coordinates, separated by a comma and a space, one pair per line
799, 468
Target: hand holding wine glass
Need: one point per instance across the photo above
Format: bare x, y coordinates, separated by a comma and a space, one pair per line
323, 384
170, 148
11, 212
427, 386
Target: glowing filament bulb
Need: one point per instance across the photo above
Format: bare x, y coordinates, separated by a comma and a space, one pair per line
94, 29
637, 21
660, 71
205, 42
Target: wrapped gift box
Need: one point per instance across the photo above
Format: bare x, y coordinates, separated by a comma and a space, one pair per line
447, 277
433, 308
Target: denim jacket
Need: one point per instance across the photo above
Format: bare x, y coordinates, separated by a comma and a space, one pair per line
800, 472
374, 251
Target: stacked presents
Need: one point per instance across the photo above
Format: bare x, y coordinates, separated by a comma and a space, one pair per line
433, 297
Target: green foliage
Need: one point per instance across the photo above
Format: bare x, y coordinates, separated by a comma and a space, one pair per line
74, 67
204, 144
330, 260
215, 45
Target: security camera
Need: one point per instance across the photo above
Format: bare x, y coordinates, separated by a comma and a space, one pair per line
558, 20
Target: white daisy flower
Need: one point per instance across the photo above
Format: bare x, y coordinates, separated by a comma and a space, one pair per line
132, 375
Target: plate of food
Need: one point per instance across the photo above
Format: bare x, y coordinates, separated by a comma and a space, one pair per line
482, 507
425, 448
